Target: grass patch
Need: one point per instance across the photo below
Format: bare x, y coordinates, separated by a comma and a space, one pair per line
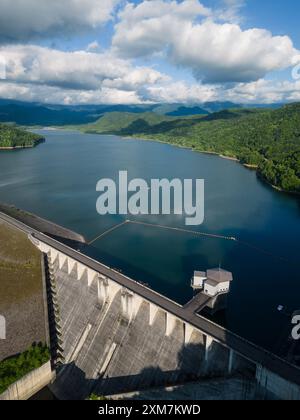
94, 397
13, 369
21, 292
20, 266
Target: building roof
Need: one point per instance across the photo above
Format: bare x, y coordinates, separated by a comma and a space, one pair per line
211, 282
219, 275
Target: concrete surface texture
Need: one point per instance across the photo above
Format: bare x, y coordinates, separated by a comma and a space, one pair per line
107, 353
211, 389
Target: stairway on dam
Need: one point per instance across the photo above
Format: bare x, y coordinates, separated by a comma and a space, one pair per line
106, 353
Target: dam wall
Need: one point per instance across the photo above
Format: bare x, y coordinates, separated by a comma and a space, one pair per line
115, 335
114, 341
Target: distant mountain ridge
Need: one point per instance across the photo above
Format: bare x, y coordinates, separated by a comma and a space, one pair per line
185, 111
126, 123
37, 114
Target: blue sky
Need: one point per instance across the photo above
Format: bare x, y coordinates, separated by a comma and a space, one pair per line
144, 51
280, 17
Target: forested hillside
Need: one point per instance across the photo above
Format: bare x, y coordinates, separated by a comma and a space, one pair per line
126, 122
12, 137
268, 140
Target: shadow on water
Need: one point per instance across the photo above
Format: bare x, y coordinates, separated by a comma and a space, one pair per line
140, 275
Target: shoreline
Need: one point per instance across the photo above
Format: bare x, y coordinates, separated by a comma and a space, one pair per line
233, 159
278, 189
36, 143
253, 167
16, 147
230, 158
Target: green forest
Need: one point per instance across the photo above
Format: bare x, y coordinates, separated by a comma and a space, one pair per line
266, 139
12, 137
14, 368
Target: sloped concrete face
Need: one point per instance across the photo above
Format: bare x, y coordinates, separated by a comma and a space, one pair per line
114, 341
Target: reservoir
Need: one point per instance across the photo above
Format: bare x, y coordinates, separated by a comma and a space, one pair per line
57, 180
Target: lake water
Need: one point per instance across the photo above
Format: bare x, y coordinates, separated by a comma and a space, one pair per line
57, 180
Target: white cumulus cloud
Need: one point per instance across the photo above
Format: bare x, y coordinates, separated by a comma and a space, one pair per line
229, 62
150, 26
264, 92
22, 19
181, 92
55, 95
215, 52
79, 70
36, 73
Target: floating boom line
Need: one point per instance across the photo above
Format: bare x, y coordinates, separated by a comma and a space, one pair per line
192, 232
108, 231
157, 226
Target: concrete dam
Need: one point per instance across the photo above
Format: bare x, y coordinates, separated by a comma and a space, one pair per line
121, 342
111, 335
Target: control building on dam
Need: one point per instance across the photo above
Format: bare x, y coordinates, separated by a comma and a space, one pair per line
110, 335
